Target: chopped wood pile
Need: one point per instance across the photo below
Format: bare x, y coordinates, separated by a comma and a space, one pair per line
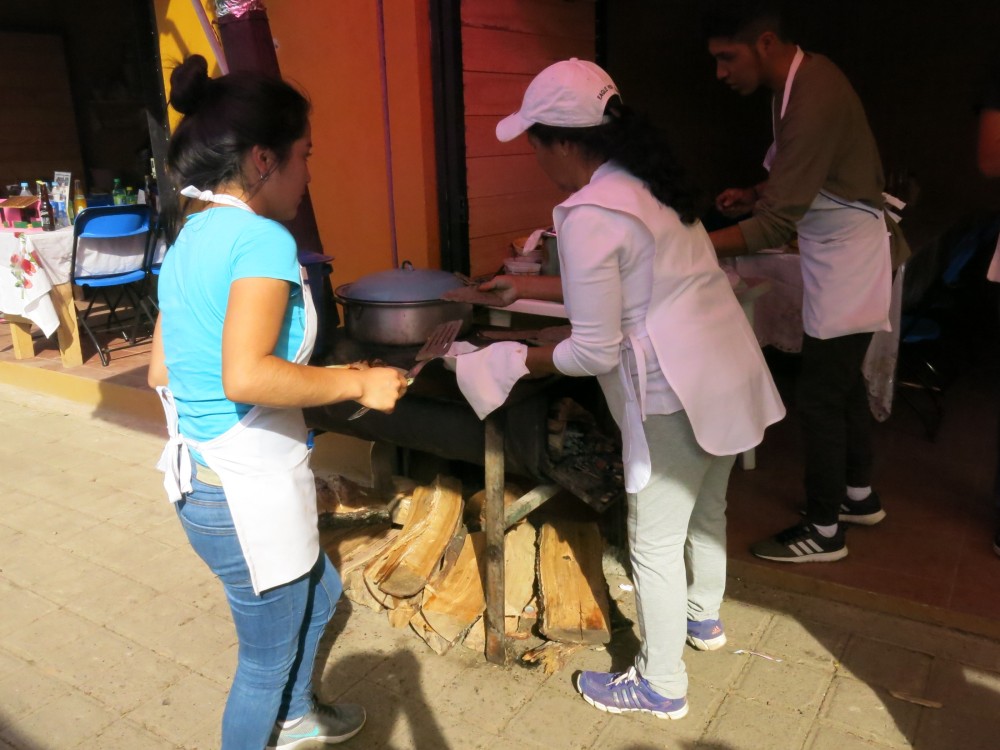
419, 555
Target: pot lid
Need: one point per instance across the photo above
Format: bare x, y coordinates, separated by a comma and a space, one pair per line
406, 284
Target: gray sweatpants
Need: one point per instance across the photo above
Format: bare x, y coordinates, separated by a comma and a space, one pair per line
677, 537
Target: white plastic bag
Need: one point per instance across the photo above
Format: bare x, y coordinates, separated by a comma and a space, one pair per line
879, 367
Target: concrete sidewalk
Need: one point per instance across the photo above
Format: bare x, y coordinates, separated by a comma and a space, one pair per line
114, 635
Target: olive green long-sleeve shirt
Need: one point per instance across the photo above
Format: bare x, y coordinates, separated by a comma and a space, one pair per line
823, 143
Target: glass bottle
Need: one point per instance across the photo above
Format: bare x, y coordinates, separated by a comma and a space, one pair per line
79, 199
130, 197
46, 215
118, 193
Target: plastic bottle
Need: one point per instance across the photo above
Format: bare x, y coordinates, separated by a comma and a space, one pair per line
118, 193
24, 189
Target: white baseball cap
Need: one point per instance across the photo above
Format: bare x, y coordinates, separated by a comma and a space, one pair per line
570, 94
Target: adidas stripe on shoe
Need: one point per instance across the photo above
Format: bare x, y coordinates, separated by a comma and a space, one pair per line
802, 543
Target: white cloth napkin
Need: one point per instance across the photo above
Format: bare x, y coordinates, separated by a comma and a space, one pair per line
486, 376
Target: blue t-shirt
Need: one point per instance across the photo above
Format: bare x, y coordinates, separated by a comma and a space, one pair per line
216, 247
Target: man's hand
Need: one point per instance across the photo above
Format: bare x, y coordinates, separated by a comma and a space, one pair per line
736, 202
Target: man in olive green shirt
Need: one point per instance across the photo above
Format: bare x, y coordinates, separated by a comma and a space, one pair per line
824, 189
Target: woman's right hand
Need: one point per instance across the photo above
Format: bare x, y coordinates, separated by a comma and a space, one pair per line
736, 202
505, 287
381, 388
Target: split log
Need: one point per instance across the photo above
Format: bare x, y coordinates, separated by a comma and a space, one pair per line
341, 502
402, 611
571, 585
519, 569
551, 654
454, 600
355, 553
435, 515
475, 639
475, 506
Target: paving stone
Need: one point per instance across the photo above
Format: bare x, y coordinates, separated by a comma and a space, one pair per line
869, 712
130, 551
829, 738
20, 608
105, 594
125, 734
115, 671
785, 684
47, 634
62, 722
573, 721
26, 689
189, 708
743, 724
950, 729
965, 689
490, 696
27, 562
886, 665
804, 642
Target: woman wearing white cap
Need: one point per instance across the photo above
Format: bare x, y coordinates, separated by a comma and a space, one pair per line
655, 319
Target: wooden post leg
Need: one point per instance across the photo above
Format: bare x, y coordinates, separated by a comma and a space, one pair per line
496, 646
20, 334
68, 332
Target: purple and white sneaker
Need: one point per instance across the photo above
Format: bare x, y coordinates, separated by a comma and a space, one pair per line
706, 635
621, 692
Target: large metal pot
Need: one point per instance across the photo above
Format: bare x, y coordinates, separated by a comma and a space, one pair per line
400, 307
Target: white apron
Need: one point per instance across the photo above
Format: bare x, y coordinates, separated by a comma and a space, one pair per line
694, 327
263, 462
845, 257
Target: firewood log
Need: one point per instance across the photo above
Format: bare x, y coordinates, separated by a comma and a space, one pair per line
551, 654
475, 506
435, 515
519, 569
571, 585
453, 600
351, 550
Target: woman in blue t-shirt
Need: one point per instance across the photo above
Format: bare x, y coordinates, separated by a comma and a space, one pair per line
232, 340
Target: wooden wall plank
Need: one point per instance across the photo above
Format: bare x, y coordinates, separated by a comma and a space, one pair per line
547, 17
505, 43
481, 138
489, 50
498, 175
518, 211
493, 93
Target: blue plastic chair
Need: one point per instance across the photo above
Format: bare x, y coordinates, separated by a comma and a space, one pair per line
110, 223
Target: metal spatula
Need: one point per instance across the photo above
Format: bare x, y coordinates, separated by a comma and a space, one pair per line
437, 345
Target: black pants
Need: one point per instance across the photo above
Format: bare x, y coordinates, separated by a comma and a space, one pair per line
836, 422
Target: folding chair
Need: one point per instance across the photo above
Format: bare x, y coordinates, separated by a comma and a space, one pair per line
155, 251
109, 256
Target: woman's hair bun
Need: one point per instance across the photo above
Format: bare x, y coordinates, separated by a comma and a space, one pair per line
189, 85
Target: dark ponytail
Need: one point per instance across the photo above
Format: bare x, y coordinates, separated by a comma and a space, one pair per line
633, 142
223, 119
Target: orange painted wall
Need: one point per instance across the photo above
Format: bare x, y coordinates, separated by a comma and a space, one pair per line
332, 52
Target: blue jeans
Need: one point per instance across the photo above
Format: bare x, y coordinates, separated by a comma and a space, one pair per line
278, 630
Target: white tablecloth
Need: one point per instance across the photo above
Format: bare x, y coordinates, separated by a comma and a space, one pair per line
24, 283
51, 253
